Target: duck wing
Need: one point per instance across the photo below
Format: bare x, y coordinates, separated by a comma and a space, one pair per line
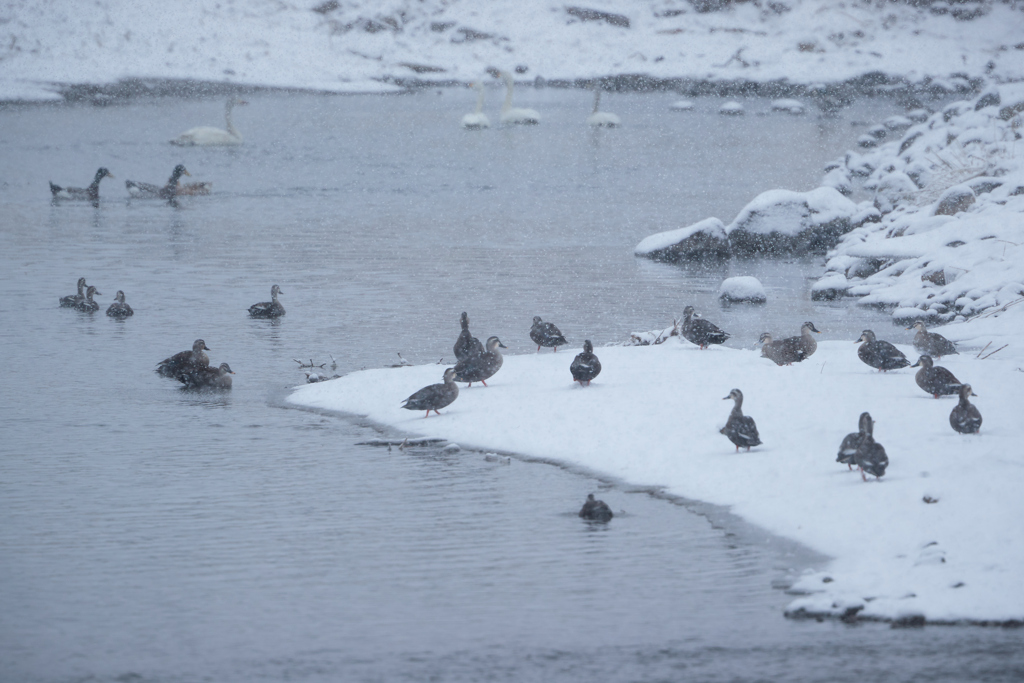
848, 448
882, 355
793, 349
704, 332
467, 346
546, 334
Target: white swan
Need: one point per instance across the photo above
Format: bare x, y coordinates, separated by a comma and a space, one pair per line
602, 119
208, 136
515, 115
476, 119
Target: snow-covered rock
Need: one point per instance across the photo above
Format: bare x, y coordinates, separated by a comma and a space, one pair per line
789, 106
702, 240
742, 289
681, 105
732, 108
786, 222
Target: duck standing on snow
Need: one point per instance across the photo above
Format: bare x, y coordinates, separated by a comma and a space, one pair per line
546, 334
595, 510
208, 136
935, 379
931, 343
776, 351
87, 305
965, 418
466, 346
481, 367
268, 309
515, 115
880, 354
70, 300
585, 366
701, 332
804, 346
434, 396
119, 309
91, 193
602, 119
870, 456
848, 448
186, 361
141, 190
207, 378
477, 119
740, 428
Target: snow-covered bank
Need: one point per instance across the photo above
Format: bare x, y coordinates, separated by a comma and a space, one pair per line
363, 45
652, 418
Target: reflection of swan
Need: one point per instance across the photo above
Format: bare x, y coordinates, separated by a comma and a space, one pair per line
602, 119
476, 119
209, 136
515, 115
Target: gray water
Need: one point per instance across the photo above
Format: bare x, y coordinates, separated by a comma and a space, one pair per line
153, 534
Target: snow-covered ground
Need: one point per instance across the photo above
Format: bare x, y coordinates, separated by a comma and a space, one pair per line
652, 418
365, 45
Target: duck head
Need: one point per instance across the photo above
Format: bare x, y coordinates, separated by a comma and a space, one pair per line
92, 290
101, 174
225, 369
810, 326
965, 391
735, 395
119, 297
587, 346
493, 343
866, 424
866, 336
919, 326
536, 320
199, 345
688, 311
765, 339
449, 375
81, 286
274, 291
924, 362
464, 320
178, 171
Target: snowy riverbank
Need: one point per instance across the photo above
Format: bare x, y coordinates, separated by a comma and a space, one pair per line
652, 418
369, 46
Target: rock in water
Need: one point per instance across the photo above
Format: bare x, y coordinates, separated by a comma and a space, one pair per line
742, 289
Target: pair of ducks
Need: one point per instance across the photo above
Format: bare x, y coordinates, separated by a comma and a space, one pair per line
192, 368
136, 189
84, 302
792, 349
884, 356
861, 449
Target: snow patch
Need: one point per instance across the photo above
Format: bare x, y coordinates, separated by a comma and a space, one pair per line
742, 289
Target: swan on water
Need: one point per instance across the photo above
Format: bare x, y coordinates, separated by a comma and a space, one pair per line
602, 119
515, 115
208, 136
477, 119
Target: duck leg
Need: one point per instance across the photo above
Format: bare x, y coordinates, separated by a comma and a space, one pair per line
863, 478
484, 382
538, 348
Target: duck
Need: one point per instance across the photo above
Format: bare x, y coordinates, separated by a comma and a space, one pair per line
602, 119
740, 428
119, 309
87, 305
870, 456
207, 378
208, 136
186, 361
70, 300
194, 189
91, 193
268, 309
141, 190
965, 417
585, 366
434, 396
481, 367
804, 346
477, 119
935, 379
514, 115
701, 332
595, 510
546, 334
466, 346
848, 448
880, 354
776, 351
931, 343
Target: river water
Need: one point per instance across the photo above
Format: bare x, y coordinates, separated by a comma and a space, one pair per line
153, 534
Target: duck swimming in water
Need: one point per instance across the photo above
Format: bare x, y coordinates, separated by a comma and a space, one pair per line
740, 429
481, 367
207, 378
268, 309
701, 332
435, 396
585, 366
595, 510
466, 346
91, 193
87, 305
931, 343
848, 448
186, 361
880, 354
870, 456
119, 309
149, 191
70, 300
965, 418
546, 334
935, 379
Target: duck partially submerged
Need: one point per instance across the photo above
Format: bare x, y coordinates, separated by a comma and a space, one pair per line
595, 510
965, 418
848, 448
880, 354
87, 305
870, 456
466, 345
935, 379
119, 309
435, 396
70, 300
931, 343
207, 378
740, 428
186, 361
480, 367
268, 309
701, 332
546, 334
141, 190
585, 366
90, 193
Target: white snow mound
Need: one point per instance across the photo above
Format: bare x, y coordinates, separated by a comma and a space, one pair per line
742, 289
